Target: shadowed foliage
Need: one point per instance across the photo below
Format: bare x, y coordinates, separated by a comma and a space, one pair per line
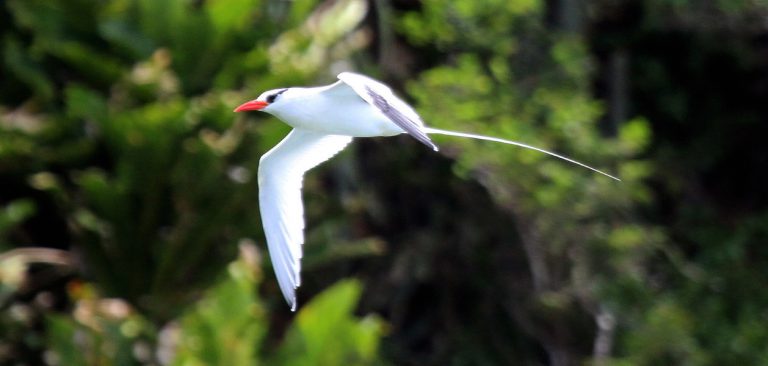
129, 223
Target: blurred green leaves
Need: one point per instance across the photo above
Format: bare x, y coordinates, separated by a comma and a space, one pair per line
13, 214
146, 162
118, 145
227, 326
116, 127
326, 333
469, 25
127, 129
506, 77
319, 38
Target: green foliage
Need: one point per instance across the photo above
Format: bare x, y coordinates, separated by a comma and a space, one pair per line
12, 215
326, 333
151, 172
486, 94
227, 326
126, 172
666, 337
117, 137
581, 241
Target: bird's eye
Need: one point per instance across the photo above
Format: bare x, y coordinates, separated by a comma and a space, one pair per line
271, 98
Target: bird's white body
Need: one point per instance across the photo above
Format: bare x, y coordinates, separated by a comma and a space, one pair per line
342, 108
324, 121
307, 108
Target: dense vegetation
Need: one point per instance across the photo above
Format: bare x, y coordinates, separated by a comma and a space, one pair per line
129, 228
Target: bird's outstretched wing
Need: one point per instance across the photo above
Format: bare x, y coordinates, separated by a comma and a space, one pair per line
281, 171
381, 97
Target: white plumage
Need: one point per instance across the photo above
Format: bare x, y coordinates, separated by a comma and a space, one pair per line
281, 171
324, 121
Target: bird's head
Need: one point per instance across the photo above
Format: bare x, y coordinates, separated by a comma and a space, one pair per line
265, 102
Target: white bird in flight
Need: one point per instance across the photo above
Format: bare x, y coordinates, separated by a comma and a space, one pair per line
324, 121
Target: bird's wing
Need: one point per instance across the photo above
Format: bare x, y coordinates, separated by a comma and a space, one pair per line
381, 97
281, 171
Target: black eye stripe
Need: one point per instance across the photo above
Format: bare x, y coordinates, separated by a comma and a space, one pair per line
271, 98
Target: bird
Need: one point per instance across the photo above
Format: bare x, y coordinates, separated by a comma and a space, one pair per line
325, 119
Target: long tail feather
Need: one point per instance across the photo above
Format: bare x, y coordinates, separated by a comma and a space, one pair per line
438, 131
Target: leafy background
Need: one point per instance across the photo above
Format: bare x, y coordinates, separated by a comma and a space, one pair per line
129, 229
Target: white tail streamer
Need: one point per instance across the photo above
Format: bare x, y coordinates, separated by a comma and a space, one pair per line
438, 131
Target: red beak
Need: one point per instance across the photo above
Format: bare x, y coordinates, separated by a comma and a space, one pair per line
254, 105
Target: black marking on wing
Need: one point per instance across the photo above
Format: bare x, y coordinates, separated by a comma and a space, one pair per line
400, 119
